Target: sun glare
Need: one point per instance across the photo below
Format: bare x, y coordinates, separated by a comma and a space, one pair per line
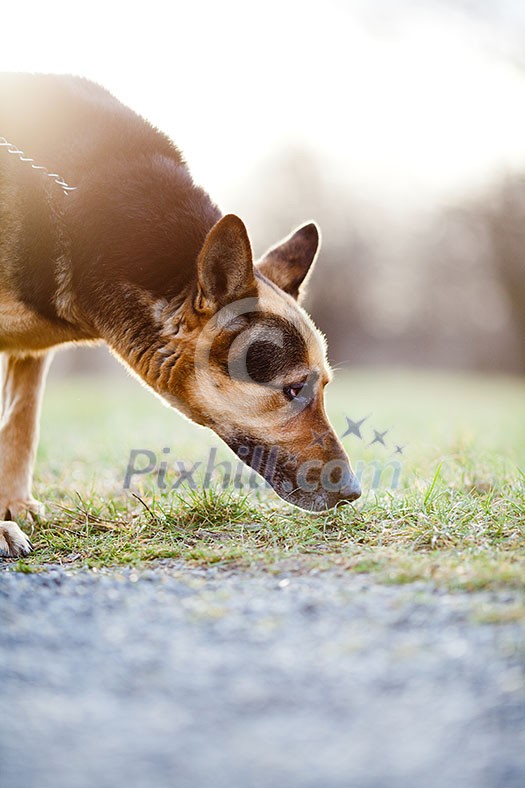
419, 107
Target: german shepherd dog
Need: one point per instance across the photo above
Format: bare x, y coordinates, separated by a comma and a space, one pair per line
139, 257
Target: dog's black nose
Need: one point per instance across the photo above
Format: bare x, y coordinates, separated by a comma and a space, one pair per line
351, 491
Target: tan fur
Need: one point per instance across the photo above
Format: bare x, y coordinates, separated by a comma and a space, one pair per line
25, 336
22, 388
245, 406
22, 329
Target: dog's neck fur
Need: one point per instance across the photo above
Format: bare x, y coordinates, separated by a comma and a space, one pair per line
120, 286
148, 342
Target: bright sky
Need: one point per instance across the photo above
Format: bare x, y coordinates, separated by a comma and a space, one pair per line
406, 104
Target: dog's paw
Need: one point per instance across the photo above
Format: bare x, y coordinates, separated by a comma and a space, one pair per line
14, 543
23, 509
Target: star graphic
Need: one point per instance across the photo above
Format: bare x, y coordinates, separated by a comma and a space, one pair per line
399, 449
379, 437
318, 437
354, 427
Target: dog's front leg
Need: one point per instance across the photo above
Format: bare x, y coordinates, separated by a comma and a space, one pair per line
22, 388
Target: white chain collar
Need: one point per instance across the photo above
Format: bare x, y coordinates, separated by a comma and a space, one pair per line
55, 177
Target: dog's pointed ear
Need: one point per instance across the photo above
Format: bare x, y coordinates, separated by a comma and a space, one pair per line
225, 265
287, 264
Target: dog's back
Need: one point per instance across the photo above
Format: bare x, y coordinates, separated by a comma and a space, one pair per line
137, 203
71, 124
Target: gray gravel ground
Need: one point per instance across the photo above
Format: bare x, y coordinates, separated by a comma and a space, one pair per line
183, 677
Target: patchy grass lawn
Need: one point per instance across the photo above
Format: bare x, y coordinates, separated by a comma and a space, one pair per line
456, 513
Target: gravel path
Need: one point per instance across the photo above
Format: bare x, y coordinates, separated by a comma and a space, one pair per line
183, 677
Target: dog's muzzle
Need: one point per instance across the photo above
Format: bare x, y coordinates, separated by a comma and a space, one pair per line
309, 488
351, 490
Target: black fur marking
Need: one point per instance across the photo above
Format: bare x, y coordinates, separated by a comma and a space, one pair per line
145, 224
273, 347
33, 258
265, 458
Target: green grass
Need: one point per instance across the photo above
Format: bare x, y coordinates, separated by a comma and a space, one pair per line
457, 517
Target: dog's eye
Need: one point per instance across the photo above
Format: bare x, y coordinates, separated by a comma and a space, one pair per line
293, 391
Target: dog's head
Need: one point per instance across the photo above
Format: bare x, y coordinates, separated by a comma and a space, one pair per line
252, 365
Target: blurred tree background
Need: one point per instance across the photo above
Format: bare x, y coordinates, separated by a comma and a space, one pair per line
447, 293
444, 287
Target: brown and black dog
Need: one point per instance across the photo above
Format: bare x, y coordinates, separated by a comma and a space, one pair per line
138, 256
